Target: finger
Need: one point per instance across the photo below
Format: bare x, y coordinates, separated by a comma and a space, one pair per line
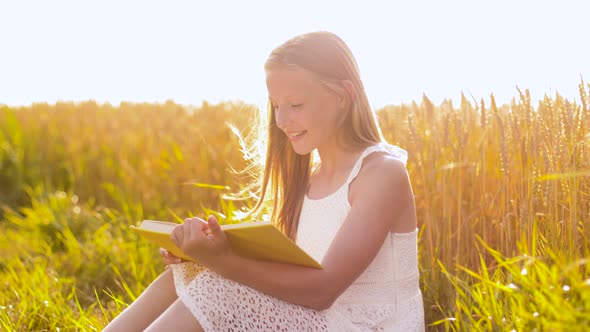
200, 223
214, 226
189, 229
165, 252
177, 235
200, 228
188, 224
171, 260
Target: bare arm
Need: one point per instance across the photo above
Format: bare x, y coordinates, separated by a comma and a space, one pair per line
383, 201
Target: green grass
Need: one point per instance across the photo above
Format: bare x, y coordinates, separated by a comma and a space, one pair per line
529, 292
61, 261
502, 195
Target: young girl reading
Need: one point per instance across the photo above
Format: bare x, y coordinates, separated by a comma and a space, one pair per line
353, 211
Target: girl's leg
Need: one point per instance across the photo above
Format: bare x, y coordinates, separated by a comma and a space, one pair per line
157, 297
176, 318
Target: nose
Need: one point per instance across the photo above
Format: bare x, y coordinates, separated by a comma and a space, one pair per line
281, 117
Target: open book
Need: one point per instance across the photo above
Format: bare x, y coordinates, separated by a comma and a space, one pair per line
257, 240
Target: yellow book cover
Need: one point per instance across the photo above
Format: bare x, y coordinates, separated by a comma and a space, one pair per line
257, 240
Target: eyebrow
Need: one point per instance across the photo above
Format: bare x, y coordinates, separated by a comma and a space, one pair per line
289, 96
271, 99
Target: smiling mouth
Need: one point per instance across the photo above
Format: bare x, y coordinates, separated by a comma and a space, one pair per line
296, 134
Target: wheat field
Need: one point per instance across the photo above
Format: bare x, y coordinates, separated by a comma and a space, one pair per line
502, 195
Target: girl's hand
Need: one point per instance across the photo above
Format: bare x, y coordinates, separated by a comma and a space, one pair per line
169, 258
200, 239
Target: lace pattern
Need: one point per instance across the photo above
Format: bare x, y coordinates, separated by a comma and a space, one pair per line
221, 304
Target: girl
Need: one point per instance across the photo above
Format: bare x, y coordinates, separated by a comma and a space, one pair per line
353, 211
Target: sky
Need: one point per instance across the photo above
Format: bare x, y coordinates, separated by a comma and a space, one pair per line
190, 51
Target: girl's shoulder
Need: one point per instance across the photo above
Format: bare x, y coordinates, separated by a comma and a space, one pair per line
383, 169
383, 157
385, 166
390, 152
383, 184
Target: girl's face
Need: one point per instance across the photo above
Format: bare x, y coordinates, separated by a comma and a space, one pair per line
304, 109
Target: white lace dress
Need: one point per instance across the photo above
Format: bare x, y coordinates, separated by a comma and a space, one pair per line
386, 297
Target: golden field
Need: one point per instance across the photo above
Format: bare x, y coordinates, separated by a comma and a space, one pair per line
502, 194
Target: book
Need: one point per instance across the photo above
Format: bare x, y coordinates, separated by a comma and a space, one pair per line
258, 240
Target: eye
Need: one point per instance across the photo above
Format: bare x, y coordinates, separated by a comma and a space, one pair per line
275, 107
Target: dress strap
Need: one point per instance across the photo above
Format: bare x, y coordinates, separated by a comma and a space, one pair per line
394, 151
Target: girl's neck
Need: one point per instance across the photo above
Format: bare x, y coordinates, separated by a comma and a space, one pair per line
337, 160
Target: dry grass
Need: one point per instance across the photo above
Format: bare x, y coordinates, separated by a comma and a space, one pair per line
514, 176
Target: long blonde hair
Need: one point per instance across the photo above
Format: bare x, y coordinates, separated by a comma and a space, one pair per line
285, 174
